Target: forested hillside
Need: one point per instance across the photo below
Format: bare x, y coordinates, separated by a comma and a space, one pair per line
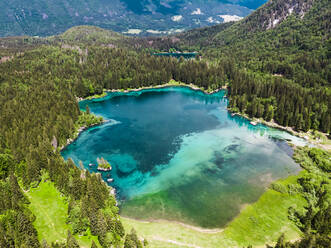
282, 52
291, 66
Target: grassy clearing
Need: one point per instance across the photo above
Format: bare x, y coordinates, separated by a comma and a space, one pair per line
50, 209
257, 224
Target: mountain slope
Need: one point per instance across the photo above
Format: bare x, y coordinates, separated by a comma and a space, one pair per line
49, 17
290, 61
268, 17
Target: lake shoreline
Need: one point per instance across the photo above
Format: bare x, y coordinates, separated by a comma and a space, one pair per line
195, 89
78, 132
307, 136
172, 83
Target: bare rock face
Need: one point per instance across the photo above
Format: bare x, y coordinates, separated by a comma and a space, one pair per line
287, 8
275, 12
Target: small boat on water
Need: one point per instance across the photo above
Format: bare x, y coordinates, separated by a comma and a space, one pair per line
91, 165
233, 114
253, 123
109, 180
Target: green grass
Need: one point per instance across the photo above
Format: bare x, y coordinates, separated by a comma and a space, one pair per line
96, 96
265, 220
257, 224
50, 209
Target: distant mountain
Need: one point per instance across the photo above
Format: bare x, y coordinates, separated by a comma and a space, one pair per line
146, 17
278, 24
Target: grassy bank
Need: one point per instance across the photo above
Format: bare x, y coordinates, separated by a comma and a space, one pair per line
257, 224
50, 209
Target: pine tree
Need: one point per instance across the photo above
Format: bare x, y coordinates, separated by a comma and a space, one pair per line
44, 244
93, 244
281, 242
17, 196
71, 241
129, 243
6, 163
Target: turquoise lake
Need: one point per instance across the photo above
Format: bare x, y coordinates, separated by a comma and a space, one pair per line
178, 154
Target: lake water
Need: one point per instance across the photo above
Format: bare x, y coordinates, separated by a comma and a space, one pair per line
178, 55
178, 154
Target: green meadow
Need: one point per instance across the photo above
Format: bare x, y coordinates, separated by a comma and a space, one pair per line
50, 209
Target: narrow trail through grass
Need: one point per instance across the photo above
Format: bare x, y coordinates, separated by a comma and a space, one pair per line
195, 228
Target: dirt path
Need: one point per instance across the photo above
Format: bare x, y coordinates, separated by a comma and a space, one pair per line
195, 228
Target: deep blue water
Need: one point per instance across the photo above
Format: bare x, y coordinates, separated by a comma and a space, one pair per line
178, 154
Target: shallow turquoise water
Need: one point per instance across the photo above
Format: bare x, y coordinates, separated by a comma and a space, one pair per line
178, 154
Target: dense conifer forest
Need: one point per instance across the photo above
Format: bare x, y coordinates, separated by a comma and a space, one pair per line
279, 73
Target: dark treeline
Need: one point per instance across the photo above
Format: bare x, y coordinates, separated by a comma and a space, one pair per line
16, 228
87, 71
275, 98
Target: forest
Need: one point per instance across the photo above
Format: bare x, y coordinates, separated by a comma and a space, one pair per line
281, 74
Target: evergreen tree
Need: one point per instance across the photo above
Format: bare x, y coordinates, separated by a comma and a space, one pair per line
93, 244
71, 241
44, 244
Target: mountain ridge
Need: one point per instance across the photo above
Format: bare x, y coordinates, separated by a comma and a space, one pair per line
148, 17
